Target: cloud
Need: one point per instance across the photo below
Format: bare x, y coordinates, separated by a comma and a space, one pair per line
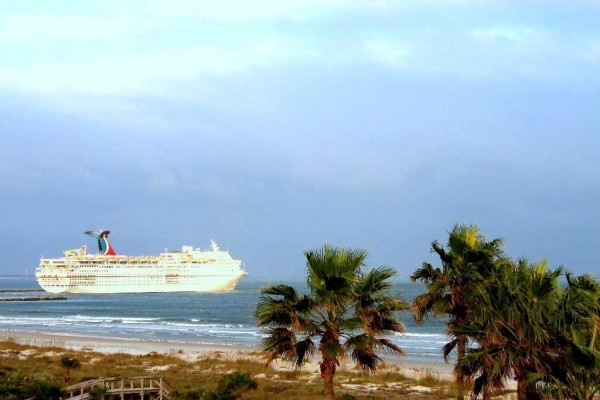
386, 52
138, 51
47, 27
261, 10
122, 52
590, 50
147, 72
102, 20
508, 34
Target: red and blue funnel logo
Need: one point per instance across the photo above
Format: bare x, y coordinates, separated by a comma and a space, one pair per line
104, 246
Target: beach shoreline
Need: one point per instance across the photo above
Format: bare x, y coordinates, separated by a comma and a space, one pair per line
192, 351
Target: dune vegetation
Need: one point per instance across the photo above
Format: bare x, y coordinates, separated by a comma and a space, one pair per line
39, 371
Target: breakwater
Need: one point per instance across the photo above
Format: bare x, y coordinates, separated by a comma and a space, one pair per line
32, 298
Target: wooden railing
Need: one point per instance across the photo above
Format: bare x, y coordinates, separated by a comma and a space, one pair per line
138, 387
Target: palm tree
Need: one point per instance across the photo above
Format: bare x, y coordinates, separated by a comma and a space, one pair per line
458, 287
346, 310
516, 337
485, 363
575, 372
69, 364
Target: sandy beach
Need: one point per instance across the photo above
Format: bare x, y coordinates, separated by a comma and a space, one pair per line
190, 351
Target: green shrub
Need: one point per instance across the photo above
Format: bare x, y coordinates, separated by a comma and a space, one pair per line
230, 387
188, 393
45, 391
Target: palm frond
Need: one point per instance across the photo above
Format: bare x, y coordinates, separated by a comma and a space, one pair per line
469, 329
426, 274
351, 324
421, 306
437, 248
283, 290
332, 273
304, 349
375, 282
270, 311
361, 342
288, 309
443, 305
387, 346
448, 347
382, 324
331, 349
365, 359
279, 342
391, 304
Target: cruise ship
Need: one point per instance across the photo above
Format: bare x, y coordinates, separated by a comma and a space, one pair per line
188, 270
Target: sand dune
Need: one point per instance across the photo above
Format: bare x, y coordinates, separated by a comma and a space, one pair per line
190, 351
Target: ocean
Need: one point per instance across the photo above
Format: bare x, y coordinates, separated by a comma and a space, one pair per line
212, 318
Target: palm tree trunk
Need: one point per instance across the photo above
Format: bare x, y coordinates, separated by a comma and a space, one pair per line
67, 378
486, 395
460, 379
327, 374
521, 388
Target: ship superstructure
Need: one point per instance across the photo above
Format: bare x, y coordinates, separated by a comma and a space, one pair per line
188, 270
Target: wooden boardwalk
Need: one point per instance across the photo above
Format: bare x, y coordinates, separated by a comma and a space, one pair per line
133, 388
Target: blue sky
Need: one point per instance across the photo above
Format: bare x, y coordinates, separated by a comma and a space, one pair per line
276, 126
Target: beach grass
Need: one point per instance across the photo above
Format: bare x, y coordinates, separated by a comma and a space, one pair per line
205, 371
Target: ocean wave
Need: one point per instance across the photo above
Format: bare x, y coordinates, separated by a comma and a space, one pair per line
161, 326
80, 317
419, 335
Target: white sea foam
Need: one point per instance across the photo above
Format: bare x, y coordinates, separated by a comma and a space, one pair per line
413, 334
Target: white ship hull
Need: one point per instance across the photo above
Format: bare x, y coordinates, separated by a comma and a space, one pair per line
189, 270
139, 285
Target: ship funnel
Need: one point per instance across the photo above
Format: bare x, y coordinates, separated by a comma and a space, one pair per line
104, 246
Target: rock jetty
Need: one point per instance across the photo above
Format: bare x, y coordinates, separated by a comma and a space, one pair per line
32, 298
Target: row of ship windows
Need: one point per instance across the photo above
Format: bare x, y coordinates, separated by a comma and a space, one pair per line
168, 274
92, 275
79, 284
129, 279
103, 273
162, 266
146, 264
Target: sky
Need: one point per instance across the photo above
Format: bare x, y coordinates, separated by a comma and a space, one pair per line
274, 127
